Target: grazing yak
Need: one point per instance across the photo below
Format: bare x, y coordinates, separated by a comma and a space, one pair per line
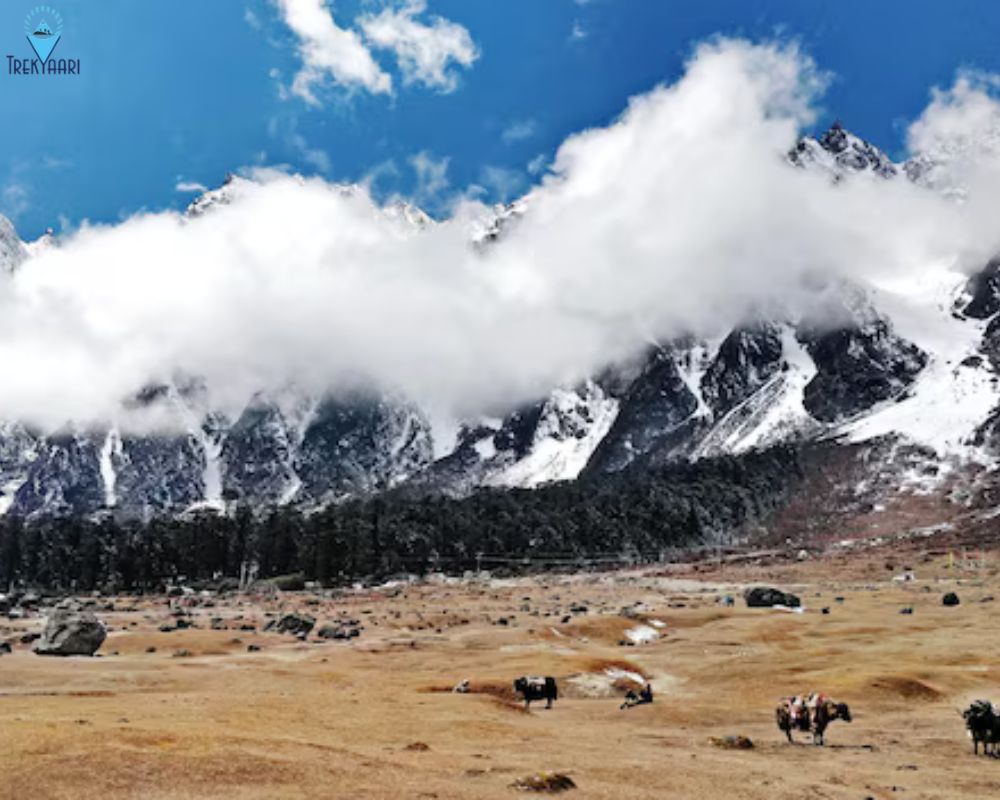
983, 723
533, 687
809, 714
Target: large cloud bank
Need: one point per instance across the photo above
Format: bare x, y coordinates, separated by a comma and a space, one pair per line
680, 217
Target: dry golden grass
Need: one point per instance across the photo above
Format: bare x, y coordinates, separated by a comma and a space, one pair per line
376, 718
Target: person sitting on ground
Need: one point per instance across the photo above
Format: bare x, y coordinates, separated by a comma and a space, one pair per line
632, 699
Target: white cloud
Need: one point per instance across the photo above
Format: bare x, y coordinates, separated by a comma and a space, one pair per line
319, 159
960, 125
432, 176
14, 199
190, 187
537, 165
519, 131
505, 182
424, 51
251, 19
681, 216
578, 33
54, 163
329, 52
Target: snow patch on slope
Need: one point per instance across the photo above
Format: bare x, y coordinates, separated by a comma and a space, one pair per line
111, 449
949, 399
773, 413
571, 426
692, 367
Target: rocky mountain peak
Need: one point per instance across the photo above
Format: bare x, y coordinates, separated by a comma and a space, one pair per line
839, 152
12, 249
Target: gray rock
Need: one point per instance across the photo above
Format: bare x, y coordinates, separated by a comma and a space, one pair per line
71, 633
767, 597
295, 624
343, 630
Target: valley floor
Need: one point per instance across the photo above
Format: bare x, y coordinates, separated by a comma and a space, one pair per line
375, 718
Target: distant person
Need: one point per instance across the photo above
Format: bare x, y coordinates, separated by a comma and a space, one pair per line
632, 699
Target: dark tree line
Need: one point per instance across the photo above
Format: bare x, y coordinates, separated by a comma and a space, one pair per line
633, 513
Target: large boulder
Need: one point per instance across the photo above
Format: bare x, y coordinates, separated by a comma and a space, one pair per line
767, 597
71, 633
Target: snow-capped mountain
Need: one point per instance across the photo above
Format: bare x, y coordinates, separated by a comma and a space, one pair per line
915, 363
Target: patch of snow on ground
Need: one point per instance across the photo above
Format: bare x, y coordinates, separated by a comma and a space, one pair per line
642, 634
616, 674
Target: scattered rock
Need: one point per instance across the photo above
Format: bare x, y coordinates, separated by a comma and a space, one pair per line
418, 747
349, 629
551, 782
295, 624
738, 742
5, 648
71, 633
183, 653
906, 610
950, 599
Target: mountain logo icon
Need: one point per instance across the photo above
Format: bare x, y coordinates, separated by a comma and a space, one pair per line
43, 27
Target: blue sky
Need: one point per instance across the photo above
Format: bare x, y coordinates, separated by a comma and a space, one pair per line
187, 90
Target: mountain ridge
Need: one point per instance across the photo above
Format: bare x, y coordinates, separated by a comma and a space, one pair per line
773, 379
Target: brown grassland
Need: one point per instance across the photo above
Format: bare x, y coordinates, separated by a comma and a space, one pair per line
375, 717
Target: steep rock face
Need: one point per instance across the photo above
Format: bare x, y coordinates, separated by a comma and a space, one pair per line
857, 367
19, 449
981, 301
155, 474
65, 477
747, 358
652, 415
983, 290
361, 444
568, 428
549, 440
258, 454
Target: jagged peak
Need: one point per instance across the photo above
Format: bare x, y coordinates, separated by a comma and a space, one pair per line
839, 152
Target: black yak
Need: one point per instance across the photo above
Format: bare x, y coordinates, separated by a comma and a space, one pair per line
532, 687
983, 723
810, 714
